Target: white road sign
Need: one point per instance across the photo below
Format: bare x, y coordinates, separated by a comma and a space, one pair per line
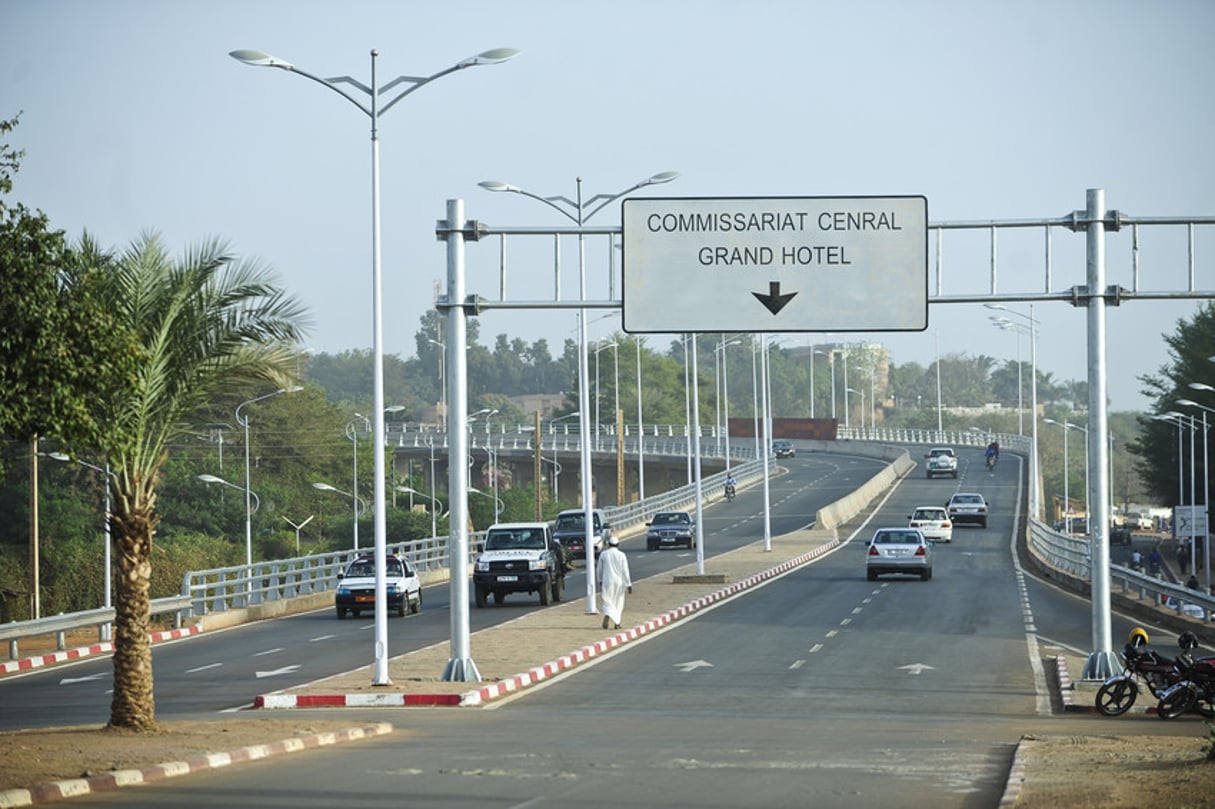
831, 264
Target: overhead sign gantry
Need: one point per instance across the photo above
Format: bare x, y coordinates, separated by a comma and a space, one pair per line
754, 264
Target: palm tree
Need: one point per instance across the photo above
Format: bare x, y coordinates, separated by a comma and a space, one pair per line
208, 326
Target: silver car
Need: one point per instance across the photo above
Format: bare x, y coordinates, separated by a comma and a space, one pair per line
899, 550
933, 522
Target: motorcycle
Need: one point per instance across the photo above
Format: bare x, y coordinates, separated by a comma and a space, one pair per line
991, 461
1118, 693
1195, 690
729, 491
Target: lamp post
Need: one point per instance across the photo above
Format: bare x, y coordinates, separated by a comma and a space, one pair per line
722, 345
297, 530
353, 435
442, 382
244, 422
372, 108
814, 351
860, 393
434, 509
107, 599
1067, 503
250, 510
1206, 488
360, 505
1034, 504
600, 346
576, 210
499, 506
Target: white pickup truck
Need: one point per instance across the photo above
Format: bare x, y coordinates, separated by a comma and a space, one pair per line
941, 461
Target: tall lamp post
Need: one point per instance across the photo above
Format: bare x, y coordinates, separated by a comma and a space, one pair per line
353, 434
107, 599
372, 108
1067, 503
244, 422
249, 512
576, 210
1206, 488
860, 393
1032, 325
640, 427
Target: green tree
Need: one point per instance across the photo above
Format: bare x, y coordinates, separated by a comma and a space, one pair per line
208, 325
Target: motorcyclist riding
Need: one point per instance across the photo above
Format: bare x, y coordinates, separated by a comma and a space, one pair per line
730, 485
992, 455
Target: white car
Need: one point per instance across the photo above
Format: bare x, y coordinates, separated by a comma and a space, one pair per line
941, 461
933, 522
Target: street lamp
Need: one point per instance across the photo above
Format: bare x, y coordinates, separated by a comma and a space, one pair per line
374, 110
435, 507
442, 381
244, 422
499, 506
353, 435
298, 528
861, 393
360, 505
814, 351
640, 427
600, 346
107, 600
723, 395
1067, 503
1206, 487
1034, 505
576, 211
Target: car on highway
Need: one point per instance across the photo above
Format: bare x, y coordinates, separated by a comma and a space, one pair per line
670, 529
570, 532
967, 507
933, 522
899, 550
783, 448
941, 461
356, 586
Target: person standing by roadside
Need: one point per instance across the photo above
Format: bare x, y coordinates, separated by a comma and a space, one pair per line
614, 583
1183, 557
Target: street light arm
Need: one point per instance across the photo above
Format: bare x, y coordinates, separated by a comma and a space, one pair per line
490, 57
657, 179
494, 185
245, 422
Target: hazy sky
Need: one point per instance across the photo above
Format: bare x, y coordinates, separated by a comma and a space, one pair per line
136, 119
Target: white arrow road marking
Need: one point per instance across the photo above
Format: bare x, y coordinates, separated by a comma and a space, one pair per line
692, 665
74, 680
204, 668
916, 668
277, 672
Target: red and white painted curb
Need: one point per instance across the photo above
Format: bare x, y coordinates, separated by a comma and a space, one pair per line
57, 790
29, 663
539, 673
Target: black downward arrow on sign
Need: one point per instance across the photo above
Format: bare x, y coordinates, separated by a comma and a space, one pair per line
774, 300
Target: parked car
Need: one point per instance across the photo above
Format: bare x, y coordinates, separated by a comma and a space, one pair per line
967, 507
356, 586
783, 448
941, 461
933, 522
899, 550
670, 529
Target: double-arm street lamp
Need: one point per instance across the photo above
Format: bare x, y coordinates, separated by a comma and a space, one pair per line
580, 210
372, 108
1032, 325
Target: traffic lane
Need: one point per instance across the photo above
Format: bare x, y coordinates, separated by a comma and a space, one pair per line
542, 756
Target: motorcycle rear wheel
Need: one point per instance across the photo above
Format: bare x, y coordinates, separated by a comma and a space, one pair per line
1116, 696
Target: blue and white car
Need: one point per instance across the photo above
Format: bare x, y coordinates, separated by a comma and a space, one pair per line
356, 586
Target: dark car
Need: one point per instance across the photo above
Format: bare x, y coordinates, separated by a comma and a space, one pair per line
783, 448
670, 529
1120, 534
356, 586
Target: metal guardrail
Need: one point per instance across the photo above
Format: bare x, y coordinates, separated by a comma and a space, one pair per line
70, 621
1070, 554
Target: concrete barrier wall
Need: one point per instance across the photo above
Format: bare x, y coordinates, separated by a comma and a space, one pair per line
899, 464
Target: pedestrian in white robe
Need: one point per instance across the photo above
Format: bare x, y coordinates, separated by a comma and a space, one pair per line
614, 582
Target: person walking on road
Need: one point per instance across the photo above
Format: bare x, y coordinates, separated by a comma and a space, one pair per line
614, 583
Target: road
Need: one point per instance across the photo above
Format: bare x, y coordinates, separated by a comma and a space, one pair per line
818, 688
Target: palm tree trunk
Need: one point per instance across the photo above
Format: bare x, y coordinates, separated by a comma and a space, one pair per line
133, 706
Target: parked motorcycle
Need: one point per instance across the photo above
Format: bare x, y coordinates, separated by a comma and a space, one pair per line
1118, 693
1195, 690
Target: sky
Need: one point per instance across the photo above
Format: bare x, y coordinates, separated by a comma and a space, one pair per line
134, 119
